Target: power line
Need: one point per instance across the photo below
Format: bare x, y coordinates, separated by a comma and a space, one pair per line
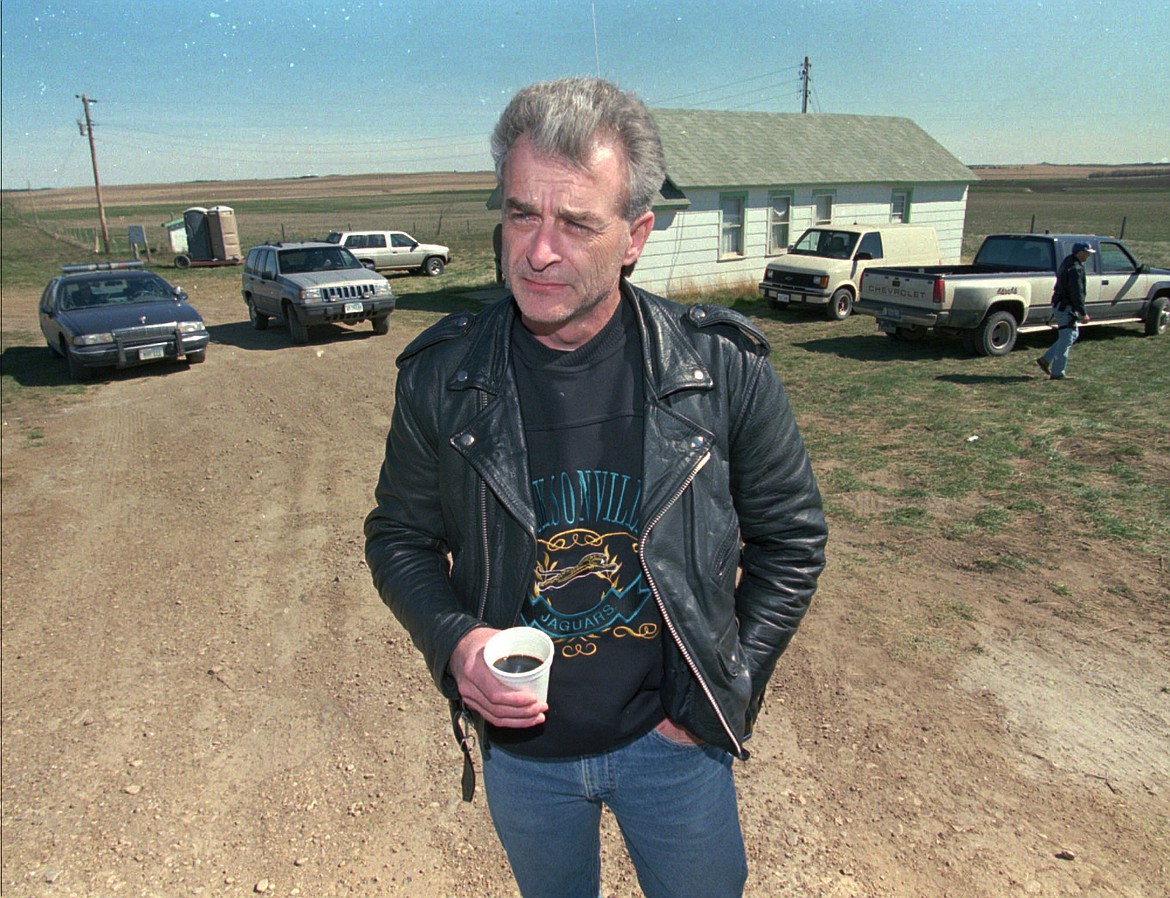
722, 87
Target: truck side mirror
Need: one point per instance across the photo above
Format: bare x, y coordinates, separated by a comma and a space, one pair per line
865, 257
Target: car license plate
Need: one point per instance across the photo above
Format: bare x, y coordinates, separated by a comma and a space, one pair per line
780, 297
150, 352
354, 307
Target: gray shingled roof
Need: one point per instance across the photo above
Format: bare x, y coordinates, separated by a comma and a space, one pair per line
709, 148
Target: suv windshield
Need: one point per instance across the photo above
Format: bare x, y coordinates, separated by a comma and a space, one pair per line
829, 244
317, 258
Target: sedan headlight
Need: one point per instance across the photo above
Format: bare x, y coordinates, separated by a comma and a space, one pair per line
191, 327
92, 339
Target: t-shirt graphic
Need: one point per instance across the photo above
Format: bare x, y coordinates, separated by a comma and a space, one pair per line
583, 421
588, 581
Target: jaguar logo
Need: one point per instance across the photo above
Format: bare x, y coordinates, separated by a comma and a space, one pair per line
597, 564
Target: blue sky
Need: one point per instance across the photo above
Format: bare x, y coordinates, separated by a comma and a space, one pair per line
227, 89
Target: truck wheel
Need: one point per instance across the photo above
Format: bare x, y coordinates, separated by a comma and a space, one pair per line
259, 319
1158, 318
433, 267
299, 332
840, 305
381, 324
997, 335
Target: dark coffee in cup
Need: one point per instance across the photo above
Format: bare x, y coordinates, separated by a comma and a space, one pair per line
517, 664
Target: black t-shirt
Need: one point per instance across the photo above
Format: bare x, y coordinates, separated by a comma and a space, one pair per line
583, 424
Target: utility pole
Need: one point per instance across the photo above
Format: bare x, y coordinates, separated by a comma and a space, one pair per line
97, 184
804, 78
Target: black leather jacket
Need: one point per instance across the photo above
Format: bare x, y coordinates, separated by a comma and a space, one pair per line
451, 543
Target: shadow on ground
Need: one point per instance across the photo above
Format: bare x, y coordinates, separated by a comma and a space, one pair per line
38, 366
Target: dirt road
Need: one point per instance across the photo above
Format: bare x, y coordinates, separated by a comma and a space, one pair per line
202, 694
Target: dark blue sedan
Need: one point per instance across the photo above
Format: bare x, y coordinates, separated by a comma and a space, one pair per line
115, 314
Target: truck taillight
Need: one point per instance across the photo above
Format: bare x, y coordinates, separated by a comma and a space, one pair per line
939, 290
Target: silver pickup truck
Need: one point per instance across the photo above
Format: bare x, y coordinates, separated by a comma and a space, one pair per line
1007, 290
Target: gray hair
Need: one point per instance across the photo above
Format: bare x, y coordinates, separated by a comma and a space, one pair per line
569, 117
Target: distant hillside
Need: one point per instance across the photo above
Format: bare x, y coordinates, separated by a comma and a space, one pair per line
210, 193
1045, 171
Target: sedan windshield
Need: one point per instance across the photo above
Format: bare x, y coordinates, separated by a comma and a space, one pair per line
95, 292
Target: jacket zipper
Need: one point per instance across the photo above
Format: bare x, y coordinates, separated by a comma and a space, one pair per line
694, 668
487, 559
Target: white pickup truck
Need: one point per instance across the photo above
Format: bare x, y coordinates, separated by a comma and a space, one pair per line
1007, 290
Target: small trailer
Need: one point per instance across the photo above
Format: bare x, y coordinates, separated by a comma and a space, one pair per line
208, 237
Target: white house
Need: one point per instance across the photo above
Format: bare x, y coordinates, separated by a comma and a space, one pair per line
742, 186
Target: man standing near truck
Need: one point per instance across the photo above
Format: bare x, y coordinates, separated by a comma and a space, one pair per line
1069, 300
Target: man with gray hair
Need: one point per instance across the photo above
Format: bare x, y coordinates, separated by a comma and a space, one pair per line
621, 472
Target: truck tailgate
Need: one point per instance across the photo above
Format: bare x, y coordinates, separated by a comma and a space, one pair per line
897, 287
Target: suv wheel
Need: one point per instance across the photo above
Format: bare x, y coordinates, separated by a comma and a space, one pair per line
433, 267
381, 324
298, 331
259, 319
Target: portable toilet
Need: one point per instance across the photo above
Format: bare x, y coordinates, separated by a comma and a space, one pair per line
225, 238
177, 235
198, 235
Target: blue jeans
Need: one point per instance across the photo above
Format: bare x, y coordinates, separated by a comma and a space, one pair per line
675, 805
1057, 355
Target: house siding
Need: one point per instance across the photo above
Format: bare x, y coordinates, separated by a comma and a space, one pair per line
682, 253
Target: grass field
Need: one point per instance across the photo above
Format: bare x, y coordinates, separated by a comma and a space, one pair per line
936, 439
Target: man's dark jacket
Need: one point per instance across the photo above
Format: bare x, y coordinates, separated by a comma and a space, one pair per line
1070, 286
451, 543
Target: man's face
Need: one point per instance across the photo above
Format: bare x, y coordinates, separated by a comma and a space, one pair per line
565, 241
1083, 255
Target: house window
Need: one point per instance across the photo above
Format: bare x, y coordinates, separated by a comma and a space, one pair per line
822, 208
731, 225
779, 217
900, 205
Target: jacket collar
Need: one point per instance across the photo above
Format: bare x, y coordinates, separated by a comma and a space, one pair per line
670, 361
